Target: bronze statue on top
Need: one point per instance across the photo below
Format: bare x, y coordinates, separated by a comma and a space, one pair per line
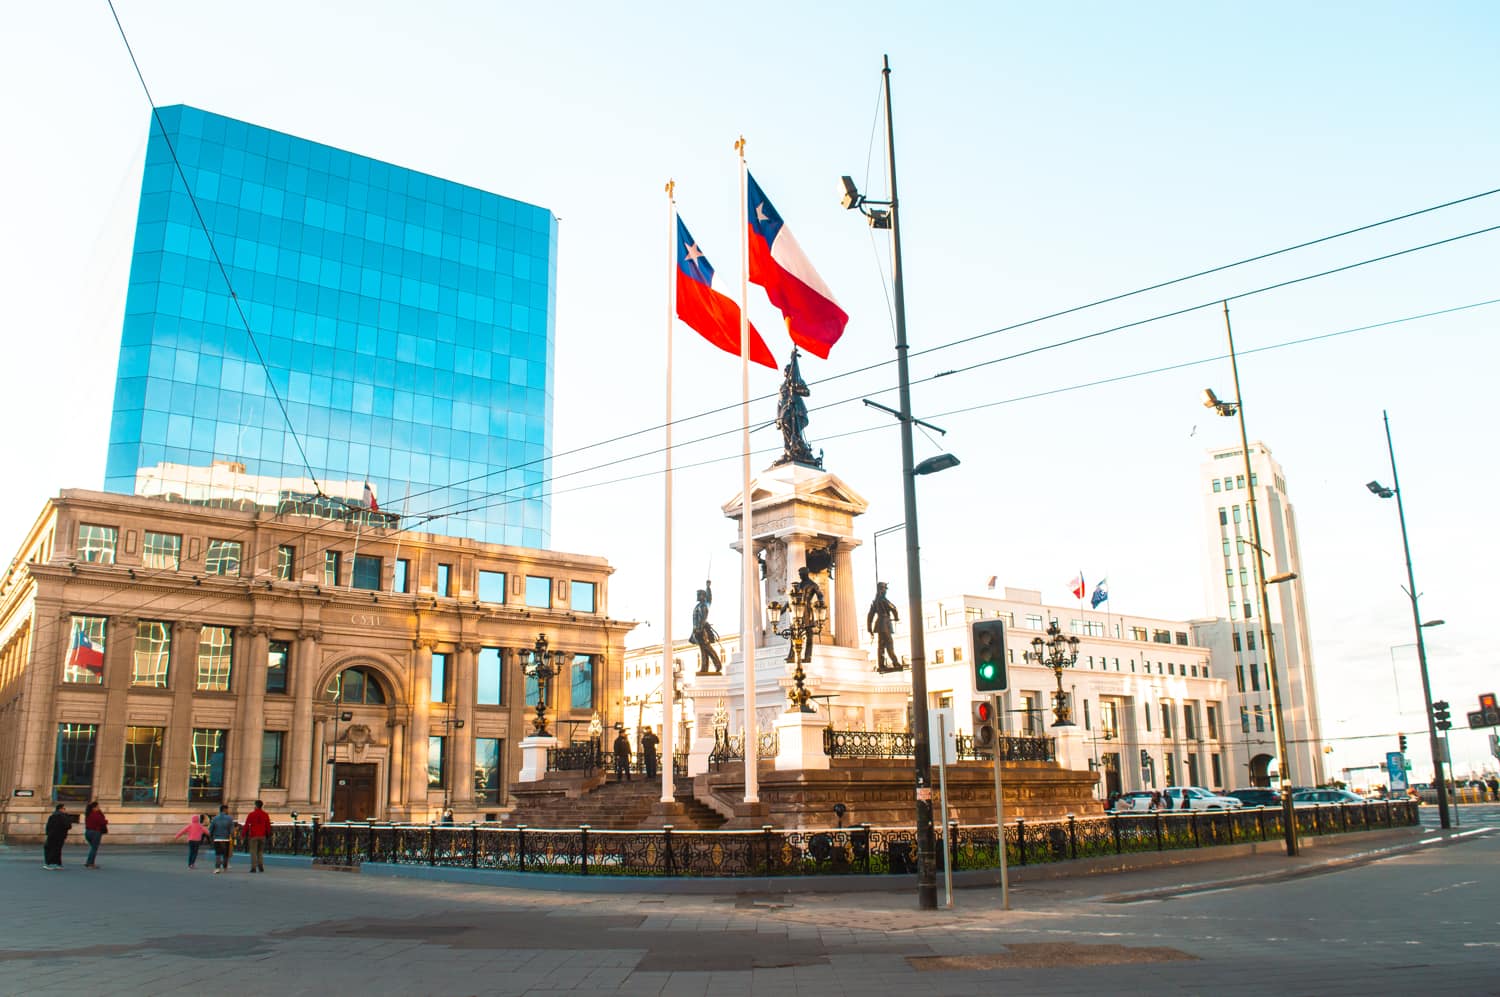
791, 418
704, 634
880, 621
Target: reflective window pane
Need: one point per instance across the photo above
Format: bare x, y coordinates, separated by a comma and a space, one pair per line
162, 551
223, 557
153, 654
583, 682
84, 664
272, 743
73, 767
215, 658
206, 767
436, 761
491, 669
582, 597
487, 772
492, 586
141, 782
366, 572
538, 592
96, 544
278, 654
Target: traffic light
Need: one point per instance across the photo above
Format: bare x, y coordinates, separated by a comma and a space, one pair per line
984, 723
989, 655
1403, 743
1490, 708
1440, 715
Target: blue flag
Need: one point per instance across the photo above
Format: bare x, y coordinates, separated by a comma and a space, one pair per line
1101, 593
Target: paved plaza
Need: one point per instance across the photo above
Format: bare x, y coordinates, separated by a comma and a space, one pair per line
1404, 913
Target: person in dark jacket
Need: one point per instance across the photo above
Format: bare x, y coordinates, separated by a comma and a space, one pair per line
58, 826
622, 757
221, 831
95, 827
650, 746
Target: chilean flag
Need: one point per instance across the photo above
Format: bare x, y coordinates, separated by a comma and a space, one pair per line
369, 499
85, 653
813, 318
1077, 587
713, 315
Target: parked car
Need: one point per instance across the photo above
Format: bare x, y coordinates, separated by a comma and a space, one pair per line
1256, 797
1323, 797
1137, 802
1198, 798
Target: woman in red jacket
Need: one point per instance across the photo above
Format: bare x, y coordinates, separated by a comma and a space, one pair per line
95, 826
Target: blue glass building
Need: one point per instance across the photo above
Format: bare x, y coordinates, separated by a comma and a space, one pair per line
405, 321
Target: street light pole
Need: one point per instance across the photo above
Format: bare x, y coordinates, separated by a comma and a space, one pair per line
1416, 617
1288, 812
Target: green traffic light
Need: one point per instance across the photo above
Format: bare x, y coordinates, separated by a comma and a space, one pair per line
987, 670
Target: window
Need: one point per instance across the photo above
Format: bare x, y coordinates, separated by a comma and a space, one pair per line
1148, 717
491, 667
1254, 677
286, 562
445, 579
1192, 761
439, 678
492, 586
1228, 484
73, 772
153, 654
1189, 723
366, 573
1137, 633
141, 780
162, 550
1249, 612
1234, 640
1216, 484
538, 592
223, 557
1249, 640
85, 661
1217, 768
1171, 766
400, 579
581, 598
1179, 638
937, 656
958, 654
215, 658
1213, 722
272, 743
1244, 719
1033, 622
1260, 719
1239, 481
96, 544
1236, 514
583, 682
1161, 637
1223, 516
206, 768
331, 567
355, 686
278, 654
1086, 724
487, 770
437, 762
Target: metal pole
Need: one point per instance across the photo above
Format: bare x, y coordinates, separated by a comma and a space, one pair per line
1288, 813
1416, 618
943, 802
668, 734
921, 736
747, 533
1000, 808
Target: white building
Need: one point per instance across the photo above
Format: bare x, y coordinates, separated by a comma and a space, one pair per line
1235, 636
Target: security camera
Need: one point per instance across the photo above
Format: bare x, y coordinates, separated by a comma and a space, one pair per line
851, 197
1210, 400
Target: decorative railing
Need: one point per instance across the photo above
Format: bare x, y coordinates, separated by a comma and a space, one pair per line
898, 744
857, 850
574, 758
731, 747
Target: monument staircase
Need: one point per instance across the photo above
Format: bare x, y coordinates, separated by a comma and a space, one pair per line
611, 805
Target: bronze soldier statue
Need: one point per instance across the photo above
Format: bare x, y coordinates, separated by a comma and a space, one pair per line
703, 632
880, 622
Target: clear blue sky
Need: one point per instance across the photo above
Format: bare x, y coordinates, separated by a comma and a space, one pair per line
1049, 155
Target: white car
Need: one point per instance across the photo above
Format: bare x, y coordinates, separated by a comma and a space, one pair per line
1198, 798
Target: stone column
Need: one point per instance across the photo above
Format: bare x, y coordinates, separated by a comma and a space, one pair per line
109, 750
177, 752
421, 709
845, 612
304, 761
461, 740
395, 795
250, 650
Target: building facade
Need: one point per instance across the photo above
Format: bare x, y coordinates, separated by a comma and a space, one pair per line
1235, 633
402, 331
164, 658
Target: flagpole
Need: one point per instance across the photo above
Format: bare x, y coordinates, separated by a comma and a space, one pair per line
747, 554
668, 732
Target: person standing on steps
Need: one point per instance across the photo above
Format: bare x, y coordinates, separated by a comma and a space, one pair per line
622, 757
221, 832
649, 745
95, 827
257, 829
58, 826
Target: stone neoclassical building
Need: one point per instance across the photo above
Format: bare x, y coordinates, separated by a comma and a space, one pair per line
164, 657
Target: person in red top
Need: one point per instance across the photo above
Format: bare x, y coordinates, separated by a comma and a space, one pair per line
257, 829
94, 828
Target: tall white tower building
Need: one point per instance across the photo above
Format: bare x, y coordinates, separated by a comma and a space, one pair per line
1235, 632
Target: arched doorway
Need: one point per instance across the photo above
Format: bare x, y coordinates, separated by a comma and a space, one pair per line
1260, 771
354, 790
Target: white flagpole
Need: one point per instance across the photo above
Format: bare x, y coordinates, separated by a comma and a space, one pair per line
747, 552
668, 731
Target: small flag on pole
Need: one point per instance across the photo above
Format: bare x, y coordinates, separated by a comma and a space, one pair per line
711, 314
1076, 586
993, 579
1101, 593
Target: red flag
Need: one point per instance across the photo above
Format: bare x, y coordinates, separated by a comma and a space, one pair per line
1077, 587
814, 319
712, 315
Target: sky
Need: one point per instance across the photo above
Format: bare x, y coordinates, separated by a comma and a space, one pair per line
1049, 156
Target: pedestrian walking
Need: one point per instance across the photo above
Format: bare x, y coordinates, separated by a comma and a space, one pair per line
196, 831
221, 832
58, 826
95, 827
650, 744
622, 758
257, 829
1494, 785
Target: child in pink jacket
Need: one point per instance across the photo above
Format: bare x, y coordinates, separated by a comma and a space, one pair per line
196, 832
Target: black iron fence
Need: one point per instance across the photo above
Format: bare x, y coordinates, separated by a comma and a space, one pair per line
731, 747
859, 850
898, 744
588, 758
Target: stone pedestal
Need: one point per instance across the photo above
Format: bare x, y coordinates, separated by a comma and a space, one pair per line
799, 741
534, 757
706, 692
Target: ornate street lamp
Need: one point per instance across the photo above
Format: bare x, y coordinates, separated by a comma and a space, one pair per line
806, 613
541, 664
1057, 652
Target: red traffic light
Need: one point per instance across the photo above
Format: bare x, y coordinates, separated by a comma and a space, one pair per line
984, 711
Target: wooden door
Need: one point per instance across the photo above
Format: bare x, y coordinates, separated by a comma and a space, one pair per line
354, 792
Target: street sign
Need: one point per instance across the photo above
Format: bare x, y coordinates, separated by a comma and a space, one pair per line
1395, 767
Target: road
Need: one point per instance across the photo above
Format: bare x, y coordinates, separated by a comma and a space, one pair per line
1420, 919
